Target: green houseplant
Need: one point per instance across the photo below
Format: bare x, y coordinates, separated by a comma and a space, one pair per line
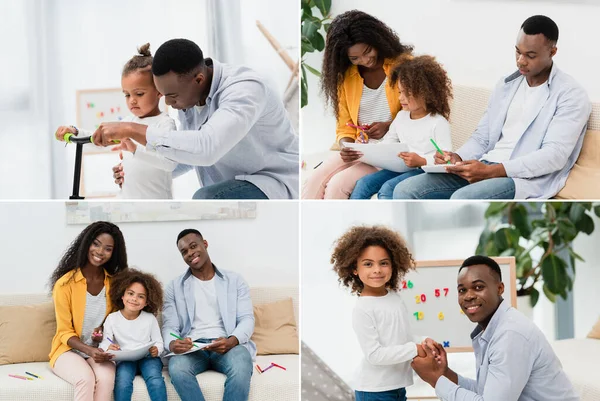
540, 237
313, 31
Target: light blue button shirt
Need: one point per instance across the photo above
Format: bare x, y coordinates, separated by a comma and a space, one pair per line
551, 142
515, 362
242, 133
233, 298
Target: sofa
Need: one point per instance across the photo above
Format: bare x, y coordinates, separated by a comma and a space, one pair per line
467, 108
274, 384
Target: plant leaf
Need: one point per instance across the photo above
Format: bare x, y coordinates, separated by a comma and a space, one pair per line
524, 265
307, 47
549, 294
534, 297
585, 224
554, 272
575, 212
566, 229
519, 217
303, 88
324, 6
317, 41
506, 238
309, 27
597, 210
495, 208
326, 27
311, 69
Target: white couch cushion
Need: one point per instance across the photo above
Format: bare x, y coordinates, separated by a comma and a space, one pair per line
579, 359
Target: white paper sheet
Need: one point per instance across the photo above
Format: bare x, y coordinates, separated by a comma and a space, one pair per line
198, 347
437, 168
130, 355
381, 155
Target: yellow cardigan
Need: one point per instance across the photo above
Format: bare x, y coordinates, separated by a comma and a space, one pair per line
349, 100
69, 306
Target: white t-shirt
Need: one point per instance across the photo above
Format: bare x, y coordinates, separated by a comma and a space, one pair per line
417, 134
95, 310
148, 175
525, 98
374, 107
382, 327
207, 320
132, 334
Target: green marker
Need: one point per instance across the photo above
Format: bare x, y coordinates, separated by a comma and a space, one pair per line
438, 149
179, 338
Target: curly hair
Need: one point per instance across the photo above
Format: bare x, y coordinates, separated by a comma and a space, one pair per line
350, 245
347, 30
140, 62
76, 255
424, 77
122, 281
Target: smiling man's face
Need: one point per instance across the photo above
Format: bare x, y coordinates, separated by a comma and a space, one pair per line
479, 293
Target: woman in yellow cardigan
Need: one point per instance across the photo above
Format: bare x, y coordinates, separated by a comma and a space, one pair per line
360, 51
80, 290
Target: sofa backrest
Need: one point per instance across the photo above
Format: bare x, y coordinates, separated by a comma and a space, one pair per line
468, 106
259, 295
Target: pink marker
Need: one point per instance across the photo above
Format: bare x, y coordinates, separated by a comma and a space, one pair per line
18, 377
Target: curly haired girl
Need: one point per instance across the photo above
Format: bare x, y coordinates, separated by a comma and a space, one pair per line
371, 261
425, 92
138, 297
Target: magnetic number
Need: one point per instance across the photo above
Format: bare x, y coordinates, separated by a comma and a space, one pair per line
407, 284
441, 315
423, 298
445, 292
418, 315
410, 284
420, 298
437, 292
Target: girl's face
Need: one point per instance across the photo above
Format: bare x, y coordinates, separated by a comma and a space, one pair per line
140, 94
363, 55
409, 102
101, 250
135, 297
374, 268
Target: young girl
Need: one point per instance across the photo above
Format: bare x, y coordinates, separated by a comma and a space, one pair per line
425, 91
138, 297
360, 51
371, 261
149, 175
80, 286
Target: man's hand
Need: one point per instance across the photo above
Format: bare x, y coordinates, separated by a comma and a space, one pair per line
377, 130
153, 351
475, 171
428, 368
412, 159
451, 157
222, 345
108, 133
181, 346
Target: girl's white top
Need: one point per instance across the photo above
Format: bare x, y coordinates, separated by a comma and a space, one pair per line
132, 334
388, 346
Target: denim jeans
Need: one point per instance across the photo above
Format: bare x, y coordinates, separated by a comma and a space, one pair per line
390, 395
151, 369
381, 183
451, 186
230, 189
236, 364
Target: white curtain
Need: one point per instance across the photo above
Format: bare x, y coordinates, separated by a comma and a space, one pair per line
224, 32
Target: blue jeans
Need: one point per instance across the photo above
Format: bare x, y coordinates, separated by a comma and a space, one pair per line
151, 369
451, 186
390, 395
381, 183
236, 364
230, 189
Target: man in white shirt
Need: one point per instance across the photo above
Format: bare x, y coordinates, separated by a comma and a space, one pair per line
207, 305
529, 137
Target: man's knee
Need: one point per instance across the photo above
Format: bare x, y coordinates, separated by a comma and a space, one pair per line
240, 363
208, 192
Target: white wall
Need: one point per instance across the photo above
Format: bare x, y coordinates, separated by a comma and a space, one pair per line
264, 250
474, 40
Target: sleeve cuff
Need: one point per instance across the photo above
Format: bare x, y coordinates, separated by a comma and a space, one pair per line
155, 137
444, 387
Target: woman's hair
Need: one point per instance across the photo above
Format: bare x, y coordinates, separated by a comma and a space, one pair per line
122, 281
140, 62
424, 77
347, 30
76, 255
350, 245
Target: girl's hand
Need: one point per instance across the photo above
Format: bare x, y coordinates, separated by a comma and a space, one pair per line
126, 144
153, 351
361, 138
420, 351
99, 355
64, 129
97, 335
118, 173
378, 130
412, 159
114, 347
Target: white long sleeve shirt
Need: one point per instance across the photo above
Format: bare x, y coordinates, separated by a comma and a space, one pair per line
132, 334
382, 327
417, 134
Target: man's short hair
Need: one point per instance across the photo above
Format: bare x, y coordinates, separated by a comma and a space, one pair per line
541, 24
482, 260
181, 56
186, 232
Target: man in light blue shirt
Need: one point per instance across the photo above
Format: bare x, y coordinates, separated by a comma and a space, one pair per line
529, 137
514, 360
234, 129
209, 306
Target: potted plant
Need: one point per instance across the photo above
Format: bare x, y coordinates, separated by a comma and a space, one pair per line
313, 31
540, 237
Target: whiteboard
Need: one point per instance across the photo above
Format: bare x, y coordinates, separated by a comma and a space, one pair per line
453, 327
